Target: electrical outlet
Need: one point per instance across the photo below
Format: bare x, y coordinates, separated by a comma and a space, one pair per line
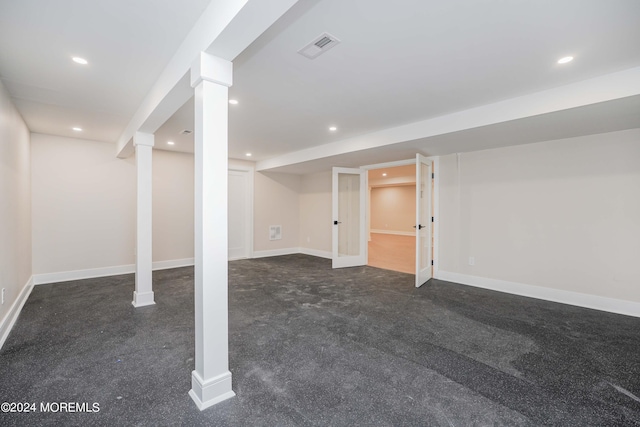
3, 289
308, 239
472, 261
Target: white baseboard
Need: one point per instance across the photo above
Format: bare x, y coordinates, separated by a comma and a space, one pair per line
173, 263
612, 305
292, 251
275, 252
12, 315
316, 252
66, 276
397, 233
92, 273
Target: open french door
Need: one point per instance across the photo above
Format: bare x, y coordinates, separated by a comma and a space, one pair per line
423, 220
349, 220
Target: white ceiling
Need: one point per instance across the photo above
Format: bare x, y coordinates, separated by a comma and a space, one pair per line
398, 62
127, 43
406, 60
592, 119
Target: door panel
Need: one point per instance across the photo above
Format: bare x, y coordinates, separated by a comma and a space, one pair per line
423, 220
349, 220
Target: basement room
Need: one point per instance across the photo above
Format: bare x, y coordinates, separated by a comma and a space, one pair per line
320, 213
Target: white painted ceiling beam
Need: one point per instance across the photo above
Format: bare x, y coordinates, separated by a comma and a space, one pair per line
225, 29
592, 91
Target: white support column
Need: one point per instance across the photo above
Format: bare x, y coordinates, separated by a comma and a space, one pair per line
211, 380
143, 295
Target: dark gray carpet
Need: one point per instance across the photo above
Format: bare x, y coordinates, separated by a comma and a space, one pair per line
315, 346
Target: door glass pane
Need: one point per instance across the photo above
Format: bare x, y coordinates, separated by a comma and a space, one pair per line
425, 216
348, 214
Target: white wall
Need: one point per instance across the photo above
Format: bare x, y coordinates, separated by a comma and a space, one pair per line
276, 202
315, 213
83, 205
84, 208
560, 214
288, 200
173, 217
15, 208
393, 209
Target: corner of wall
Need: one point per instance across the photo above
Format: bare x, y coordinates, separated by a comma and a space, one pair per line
15, 220
276, 202
6, 324
315, 214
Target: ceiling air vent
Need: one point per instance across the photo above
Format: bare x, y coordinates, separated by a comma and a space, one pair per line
186, 132
321, 44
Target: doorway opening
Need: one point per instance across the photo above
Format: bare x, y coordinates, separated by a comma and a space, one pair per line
352, 216
391, 219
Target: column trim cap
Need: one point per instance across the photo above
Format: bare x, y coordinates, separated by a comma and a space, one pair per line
143, 138
207, 67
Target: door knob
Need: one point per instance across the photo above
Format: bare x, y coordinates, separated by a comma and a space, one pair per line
420, 226
337, 222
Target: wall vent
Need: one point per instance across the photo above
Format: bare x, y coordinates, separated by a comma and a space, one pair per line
319, 45
186, 132
275, 232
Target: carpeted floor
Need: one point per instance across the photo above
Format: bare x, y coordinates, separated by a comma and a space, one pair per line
311, 346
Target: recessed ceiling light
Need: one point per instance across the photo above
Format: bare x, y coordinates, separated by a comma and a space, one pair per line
79, 60
171, 143
233, 101
248, 154
333, 128
565, 59
77, 129
384, 174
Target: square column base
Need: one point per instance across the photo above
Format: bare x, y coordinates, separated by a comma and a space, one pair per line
142, 299
207, 394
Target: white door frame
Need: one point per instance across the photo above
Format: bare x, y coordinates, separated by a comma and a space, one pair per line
436, 202
249, 170
424, 274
